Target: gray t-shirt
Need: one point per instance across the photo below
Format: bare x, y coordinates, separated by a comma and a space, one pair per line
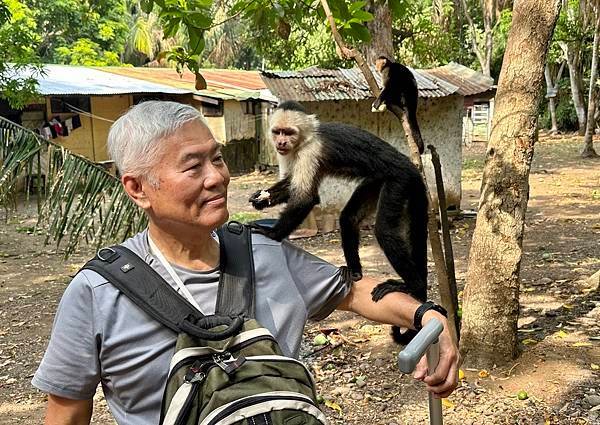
99, 335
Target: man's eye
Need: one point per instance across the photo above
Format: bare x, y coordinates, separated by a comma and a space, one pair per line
194, 166
218, 158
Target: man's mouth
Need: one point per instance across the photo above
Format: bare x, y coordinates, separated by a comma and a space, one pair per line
217, 199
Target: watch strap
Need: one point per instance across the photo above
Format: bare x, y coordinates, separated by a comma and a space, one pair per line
423, 308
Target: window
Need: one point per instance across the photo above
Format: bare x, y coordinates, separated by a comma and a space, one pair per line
212, 110
70, 104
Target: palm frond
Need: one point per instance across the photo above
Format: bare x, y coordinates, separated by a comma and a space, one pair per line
83, 201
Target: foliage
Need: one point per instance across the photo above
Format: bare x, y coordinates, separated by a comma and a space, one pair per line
83, 203
81, 32
418, 40
17, 52
266, 20
87, 53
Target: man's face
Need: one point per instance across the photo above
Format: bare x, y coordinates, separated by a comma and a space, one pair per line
192, 181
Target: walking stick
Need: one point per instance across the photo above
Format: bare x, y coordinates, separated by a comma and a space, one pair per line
425, 341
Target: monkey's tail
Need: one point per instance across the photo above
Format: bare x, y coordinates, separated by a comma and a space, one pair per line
414, 124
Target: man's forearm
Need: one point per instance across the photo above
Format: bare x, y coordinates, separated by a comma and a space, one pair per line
65, 411
396, 308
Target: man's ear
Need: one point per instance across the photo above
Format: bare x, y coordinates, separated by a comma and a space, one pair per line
134, 187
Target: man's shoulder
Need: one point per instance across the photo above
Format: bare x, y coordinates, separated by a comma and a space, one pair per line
92, 279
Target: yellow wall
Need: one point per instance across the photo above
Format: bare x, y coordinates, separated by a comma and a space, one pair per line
216, 124
111, 108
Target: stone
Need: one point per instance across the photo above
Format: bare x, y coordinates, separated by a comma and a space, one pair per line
357, 396
593, 400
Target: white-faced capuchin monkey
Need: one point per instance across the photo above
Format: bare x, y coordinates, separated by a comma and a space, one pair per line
390, 186
400, 89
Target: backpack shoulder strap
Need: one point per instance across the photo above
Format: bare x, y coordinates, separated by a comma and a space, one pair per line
144, 286
236, 295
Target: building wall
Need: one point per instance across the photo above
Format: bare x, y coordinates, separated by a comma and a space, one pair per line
110, 108
440, 121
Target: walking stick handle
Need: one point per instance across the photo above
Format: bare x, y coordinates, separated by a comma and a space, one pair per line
412, 353
426, 341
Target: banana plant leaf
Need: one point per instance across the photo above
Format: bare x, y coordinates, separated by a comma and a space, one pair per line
78, 200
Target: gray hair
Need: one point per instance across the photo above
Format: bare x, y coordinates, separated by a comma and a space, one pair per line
135, 140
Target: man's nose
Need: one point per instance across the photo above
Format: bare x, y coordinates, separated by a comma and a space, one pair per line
216, 176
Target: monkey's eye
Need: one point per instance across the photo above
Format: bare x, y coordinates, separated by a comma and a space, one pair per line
283, 131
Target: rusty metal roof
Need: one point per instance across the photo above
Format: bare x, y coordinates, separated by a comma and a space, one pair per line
315, 84
468, 81
221, 83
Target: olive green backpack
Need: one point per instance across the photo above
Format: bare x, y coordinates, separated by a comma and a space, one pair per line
227, 369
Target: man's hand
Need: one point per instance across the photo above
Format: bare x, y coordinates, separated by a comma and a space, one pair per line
445, 378
397, 308
65, 411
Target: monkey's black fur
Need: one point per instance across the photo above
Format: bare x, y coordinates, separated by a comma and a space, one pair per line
390, 185
400, 88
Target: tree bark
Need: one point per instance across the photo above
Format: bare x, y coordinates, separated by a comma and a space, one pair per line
588, 143
575, 79
381, 25
491, 297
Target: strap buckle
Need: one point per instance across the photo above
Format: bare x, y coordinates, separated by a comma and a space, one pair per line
235, 227
107, 254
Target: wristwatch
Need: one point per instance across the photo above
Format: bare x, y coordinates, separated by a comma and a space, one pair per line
429, 305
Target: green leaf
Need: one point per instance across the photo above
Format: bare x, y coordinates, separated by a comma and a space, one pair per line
362, 15
356, 6
196, 40
359, 32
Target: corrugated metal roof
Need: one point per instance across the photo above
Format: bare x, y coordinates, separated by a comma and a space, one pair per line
468, 81
223, 84
62, 80
314, 84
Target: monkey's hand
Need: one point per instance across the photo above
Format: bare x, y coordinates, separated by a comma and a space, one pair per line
260, 199
390, 285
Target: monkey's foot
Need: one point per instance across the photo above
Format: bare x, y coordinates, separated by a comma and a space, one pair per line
356, 276
378, 108
403, 336
390, 285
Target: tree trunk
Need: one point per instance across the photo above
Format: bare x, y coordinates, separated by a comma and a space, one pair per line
588, 143
381, 32
491, 297
484, 55
576, 85
551, 101
489, 18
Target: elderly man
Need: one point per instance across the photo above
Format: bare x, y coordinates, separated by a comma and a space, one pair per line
171, 167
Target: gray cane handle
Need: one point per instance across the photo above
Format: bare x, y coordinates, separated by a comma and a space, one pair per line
412, 353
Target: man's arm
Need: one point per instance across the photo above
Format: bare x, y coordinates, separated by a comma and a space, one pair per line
399, 309
65, 411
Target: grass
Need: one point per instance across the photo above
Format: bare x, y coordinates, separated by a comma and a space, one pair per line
245, 217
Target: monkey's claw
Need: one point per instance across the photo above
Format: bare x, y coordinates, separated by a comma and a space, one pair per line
384, 288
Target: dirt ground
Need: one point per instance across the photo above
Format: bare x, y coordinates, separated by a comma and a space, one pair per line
357, 376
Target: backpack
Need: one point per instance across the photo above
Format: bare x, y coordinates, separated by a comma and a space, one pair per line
227, 369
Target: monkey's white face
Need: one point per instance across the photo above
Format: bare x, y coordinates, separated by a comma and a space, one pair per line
285, 133
284, 139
